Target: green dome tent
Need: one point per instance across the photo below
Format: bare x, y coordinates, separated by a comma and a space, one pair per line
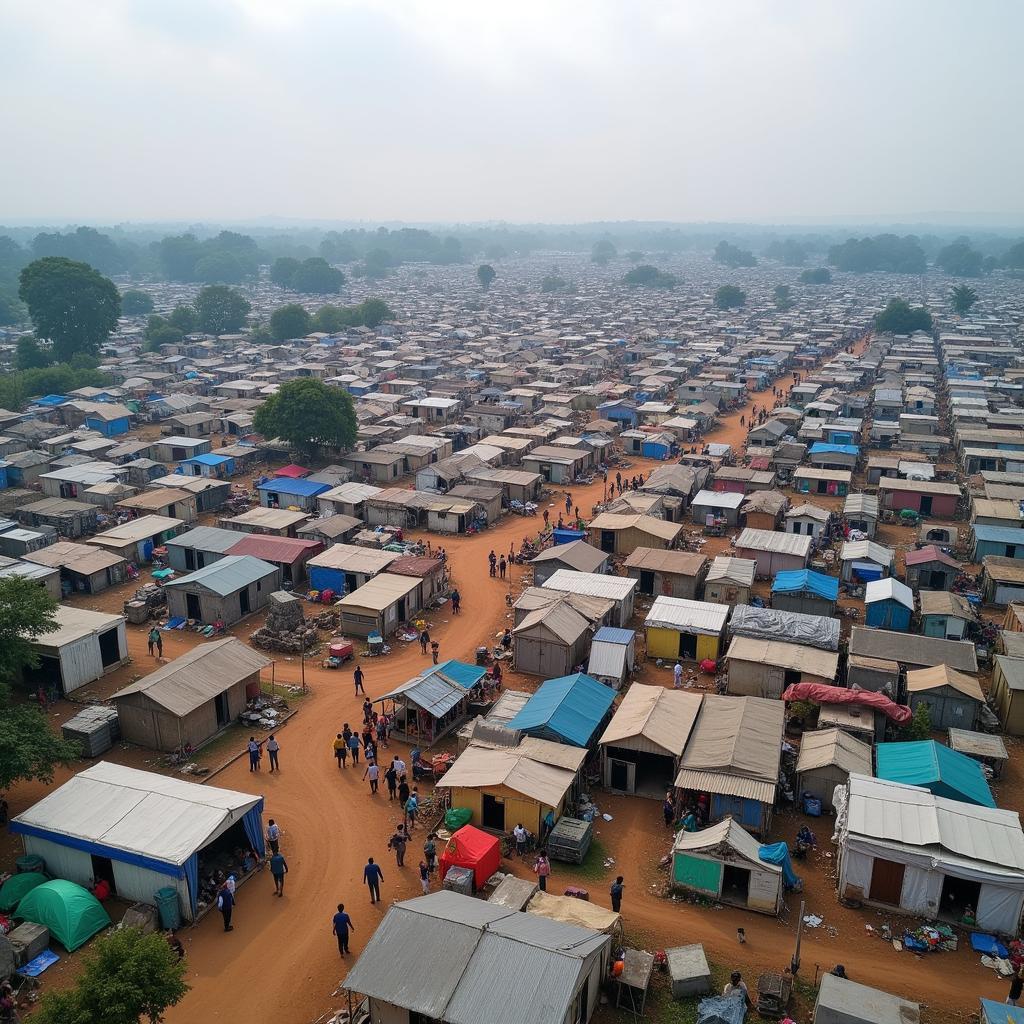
72, 913
17, 887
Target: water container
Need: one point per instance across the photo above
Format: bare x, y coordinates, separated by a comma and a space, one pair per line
812, 806
167, 906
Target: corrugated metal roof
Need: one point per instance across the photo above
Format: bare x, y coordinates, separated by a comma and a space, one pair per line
730, 833
228, 574
825, 747
866, 550
434, 693
718, 499
353, 558
381, 592
687, 616
488, 767
792, 657
616, 588
911, 649
778, 543
664, 717
274, 549
206, 538
75, 623
732, 570
726, 785
889, 589
683, 563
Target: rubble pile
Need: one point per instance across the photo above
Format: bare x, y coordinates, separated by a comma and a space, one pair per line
286, 628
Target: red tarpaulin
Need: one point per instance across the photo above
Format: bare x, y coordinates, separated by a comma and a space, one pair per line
472, 848
822, 694
293, 472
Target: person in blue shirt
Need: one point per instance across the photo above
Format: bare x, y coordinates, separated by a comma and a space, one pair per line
342, 925
278, 869
373, 876
353, 746
225, 904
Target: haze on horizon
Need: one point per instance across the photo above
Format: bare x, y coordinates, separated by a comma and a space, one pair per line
459, 111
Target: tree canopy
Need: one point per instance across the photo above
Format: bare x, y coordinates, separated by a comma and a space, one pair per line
603, 251
136, 303
1014, 257
783, 297
899, 317
314, 276
126, 976
85, 245
228, 258
790, 252
369, 313
888, 253
184, 318
486, 274
553, 283
71, 304
291, 321
377, 263
730, 297
221, 310
283, 270
30, 356
309, 415
820, 275
733, 256
646, 276
959, 259
961, 298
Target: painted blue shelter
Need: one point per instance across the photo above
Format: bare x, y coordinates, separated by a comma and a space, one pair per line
210, 465
888, 604
570, 709
943, 772
282, 492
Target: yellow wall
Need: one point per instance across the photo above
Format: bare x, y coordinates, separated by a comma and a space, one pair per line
517, 807
664, 643
707, 647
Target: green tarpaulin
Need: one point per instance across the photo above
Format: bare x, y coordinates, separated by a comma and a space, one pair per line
72, 913
17, 887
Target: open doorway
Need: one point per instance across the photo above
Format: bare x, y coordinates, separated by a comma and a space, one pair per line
103, 867
243, 601
223, 711
493, 812
110, 649
735, 885
958, 895
688, 645
192, 607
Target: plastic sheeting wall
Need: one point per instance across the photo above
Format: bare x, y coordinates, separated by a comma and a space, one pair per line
999, 909
61, 861
921, 891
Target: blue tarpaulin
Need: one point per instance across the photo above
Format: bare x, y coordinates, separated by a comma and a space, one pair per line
466, 675
722, 1010
569, 709
563, 536
798, 581
946, 773
778, 854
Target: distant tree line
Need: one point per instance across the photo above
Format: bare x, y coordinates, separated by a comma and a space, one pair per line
733, 256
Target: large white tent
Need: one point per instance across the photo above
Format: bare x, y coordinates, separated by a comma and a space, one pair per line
150, 827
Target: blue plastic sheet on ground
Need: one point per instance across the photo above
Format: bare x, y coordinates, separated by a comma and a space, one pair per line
721, 1010
988, 944
778, 854
38, 964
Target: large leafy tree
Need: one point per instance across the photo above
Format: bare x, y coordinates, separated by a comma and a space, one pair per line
959, 259
819, 275
290, 321
73, 305
127, 976
899, 317
316, 276
309, 415
962, 297
84, 244
30, 356
783, 297
647, 276
730, 297
733, 256
486, 274
184, 318
603, 251
283, 270
136, 303
220, 310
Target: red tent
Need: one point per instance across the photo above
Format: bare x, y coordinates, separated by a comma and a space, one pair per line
472, 848
293, 472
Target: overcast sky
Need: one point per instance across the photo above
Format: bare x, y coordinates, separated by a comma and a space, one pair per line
526, 110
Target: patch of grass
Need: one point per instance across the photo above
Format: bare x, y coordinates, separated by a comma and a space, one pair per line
592, 869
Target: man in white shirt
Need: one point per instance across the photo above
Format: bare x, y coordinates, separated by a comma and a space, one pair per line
273, 835
737, 986
677, 676
520, 836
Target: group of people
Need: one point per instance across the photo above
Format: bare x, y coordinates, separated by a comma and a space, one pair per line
693, 818
497, 564
255, 749
425, 641
375, 732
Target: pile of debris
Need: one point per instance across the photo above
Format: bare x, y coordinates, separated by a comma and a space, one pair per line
330, 620
286, 628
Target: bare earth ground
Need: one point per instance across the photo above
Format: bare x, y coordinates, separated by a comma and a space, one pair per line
280, 962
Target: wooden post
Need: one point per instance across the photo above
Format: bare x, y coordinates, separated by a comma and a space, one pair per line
794, 964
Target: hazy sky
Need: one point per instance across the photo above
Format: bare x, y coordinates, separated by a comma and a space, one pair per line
519, 110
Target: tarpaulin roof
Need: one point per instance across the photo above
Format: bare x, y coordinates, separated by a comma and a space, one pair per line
798, 581
938, 769
570, 707
822, 694
664, 717
819, 631
921, 680
489, 767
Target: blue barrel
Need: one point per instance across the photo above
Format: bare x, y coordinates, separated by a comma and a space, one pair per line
167, 907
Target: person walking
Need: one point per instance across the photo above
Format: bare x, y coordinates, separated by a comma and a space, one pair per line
391, 778
542, 868
273, 836
398, 843
278, 869
668, 809
403, 786
381, 729
501, 567
424, 877
430, 851
367, 711
616, 894
677, 676
273, 749
424, 640
568, 502
353, 746
340, 750
492, 561
373, 876
372, 773
456, 601
225, 904
435, 649
519, 834
412, 806
358, 677
341, 926
254, 754
153, 640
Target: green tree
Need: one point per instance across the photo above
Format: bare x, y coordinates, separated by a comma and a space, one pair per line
553, 283
961, 298
733, 256
136, 303
485, 274
730, 297
646, 276
86, 245
820, 275
11, 310
1014, 257
290, 321
178, 255
377, 263
920, 725
126, 976
219, 267
790, 252
888, 253
309, 415
30, 356
634, 256
220, 310
373, 312
316, 276
71, 304
283, 270
603, 251
959, 259
899, 317
184, 318
331, 319
783, 297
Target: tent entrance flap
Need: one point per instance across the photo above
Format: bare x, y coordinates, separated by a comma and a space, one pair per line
252, 822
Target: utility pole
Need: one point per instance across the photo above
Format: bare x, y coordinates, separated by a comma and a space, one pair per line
794, 964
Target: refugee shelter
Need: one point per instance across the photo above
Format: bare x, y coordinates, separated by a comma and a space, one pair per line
677, 628
774, 552
672, 573
192, 698
764, 668
570, 710
139, 831
888, 604
945, 615
380, 605
642, 744
827, 759
805, 591
83, 647
488, 953
723, 863
612, 655
1008, 692
903, 847
934, 767
954, 698
729, 580
225, 591
617, 589
576, 556
551, 640
616, 534
841, 1001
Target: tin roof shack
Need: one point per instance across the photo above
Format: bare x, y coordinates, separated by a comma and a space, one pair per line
617, 589
135, 540
336, 529
729, 580
346, 499
927, 498
84, 647
623, 534
864, 560
985, 748
516, 484
178, 449
708, 507
429, 570
279, 522
806, 519
379, 606
815, 480
997, 541
763, 510
433, 703
678, 628
954, 698
936, 768
83, 569
551, 641
805, 591
902, 847
670, 573
945, 615
912, 651
576, 556
556, 465
199, 547
169, 502
71, 519
1008, 692
283, 492
489, 951
612, 656
827, 759
930, 568
732, 757
723, 863
569, 710
226, 591
1002, 580
192, 698
888, 604
644, 741
841, 1001
344, 568
47, 578
487, 497
861, 513
773, 552
764, 668
289, 555
506, 786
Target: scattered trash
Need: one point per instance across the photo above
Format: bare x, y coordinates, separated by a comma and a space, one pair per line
607, 817
813, 921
